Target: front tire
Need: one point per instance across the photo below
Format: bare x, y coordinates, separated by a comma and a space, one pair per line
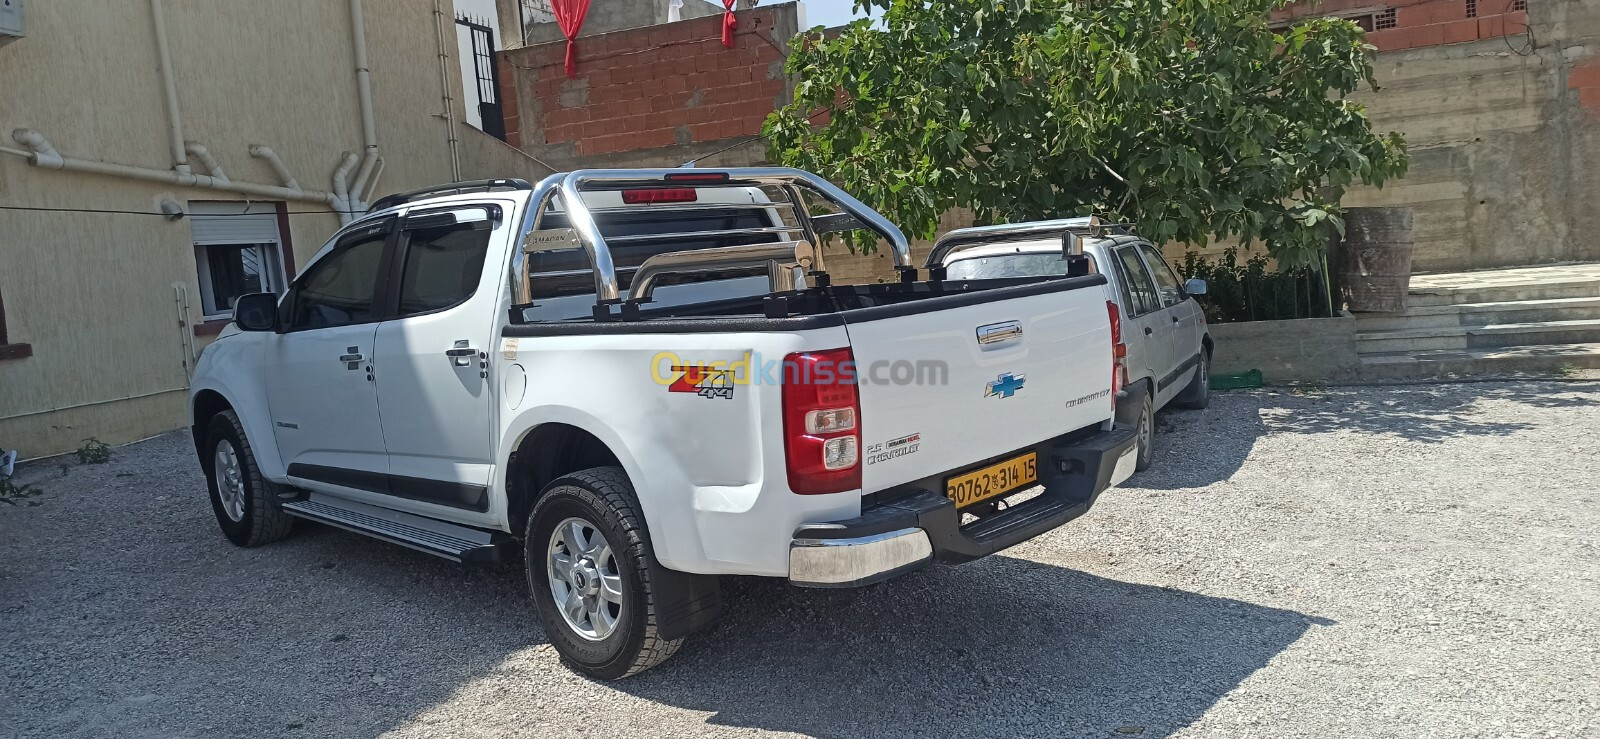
1198, 394
246, 504
589, 561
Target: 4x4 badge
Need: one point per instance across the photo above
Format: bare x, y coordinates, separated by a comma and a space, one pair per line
1005, 386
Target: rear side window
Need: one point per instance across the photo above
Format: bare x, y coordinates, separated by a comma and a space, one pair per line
442, 266
340, 289
567, 272
1138, 291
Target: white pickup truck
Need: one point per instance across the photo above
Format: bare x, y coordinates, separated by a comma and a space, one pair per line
642, 379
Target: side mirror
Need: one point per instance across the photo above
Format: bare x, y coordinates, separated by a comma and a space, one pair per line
256, 312
1194, 286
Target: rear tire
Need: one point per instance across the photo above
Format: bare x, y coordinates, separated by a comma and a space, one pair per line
246, 504
604, 625
1145, 431
1198, 394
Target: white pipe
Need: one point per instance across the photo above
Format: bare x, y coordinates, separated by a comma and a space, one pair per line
341, 188
203, 155
42, 154
369, 123
449, 100
372, 184
278, 167
180, 161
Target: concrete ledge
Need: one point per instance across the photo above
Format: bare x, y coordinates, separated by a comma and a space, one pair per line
1299, 350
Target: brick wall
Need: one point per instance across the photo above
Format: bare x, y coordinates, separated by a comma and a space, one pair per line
1419, 23
648, 90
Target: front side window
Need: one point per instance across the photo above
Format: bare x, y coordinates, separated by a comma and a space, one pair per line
1138, 291
1166, 283
341, 288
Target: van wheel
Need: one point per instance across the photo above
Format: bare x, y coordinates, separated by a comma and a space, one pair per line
245, 503
1145, 431
1198, 394
588, 560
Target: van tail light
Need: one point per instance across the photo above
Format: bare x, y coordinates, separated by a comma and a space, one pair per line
1119, 352
821, 422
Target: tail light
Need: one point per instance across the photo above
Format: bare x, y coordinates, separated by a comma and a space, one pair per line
673, 195
821, 422
1119, 351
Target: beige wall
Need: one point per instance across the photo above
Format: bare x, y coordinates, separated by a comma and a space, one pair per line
94, 294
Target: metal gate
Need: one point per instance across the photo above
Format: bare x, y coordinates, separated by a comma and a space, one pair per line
487, 75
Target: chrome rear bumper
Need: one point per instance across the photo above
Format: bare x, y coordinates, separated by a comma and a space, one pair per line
845, 563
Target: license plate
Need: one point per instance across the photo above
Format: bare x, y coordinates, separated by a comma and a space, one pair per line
993, 481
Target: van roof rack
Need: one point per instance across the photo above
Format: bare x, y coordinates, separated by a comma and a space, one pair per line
454, 188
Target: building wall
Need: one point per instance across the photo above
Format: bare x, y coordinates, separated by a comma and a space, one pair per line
1500, 131
652, 96
95, 294
606, 16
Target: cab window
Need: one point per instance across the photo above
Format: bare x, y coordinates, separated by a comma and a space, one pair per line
341, 288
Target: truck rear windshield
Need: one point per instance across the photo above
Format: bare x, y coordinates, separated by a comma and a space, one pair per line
567, 272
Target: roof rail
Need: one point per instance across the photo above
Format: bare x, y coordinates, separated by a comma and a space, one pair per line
966, 238
390, 201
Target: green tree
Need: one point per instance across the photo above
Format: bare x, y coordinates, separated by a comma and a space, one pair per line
1191, 118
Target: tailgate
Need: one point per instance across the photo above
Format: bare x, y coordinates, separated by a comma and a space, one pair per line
934, 399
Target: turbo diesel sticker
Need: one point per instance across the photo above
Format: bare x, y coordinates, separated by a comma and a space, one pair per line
892, 448
703, 381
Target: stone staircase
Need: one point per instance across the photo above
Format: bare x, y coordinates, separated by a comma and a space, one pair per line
1527, 320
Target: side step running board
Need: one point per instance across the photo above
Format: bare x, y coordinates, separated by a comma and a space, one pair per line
439, 538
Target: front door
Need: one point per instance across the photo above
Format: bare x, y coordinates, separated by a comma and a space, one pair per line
323, 399
1183, 323
431, 358
1146, 328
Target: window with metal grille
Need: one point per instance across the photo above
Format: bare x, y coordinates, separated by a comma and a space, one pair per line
1519, 5
1385, 20
1472, 8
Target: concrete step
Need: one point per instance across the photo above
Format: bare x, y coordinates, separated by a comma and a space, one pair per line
1517, 360
1531, 290
1481, 314
1478, 337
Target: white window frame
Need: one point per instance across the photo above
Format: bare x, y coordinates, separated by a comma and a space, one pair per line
273, 279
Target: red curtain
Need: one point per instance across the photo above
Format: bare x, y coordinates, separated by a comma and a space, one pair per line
569, 16
728, 23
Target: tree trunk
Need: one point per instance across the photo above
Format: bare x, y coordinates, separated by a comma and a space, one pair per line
1375, 261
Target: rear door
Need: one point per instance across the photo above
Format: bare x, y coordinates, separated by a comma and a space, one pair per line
431, 363
943, 389
1146, 326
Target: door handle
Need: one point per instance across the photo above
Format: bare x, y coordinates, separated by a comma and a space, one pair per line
461, 351
1175, 319
1148, 331
350, 357
462, 354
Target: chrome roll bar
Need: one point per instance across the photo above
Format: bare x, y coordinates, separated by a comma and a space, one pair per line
1069, 229
584, 233
779, 258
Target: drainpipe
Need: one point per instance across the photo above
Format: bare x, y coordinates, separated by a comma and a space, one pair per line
369, 124
201, 154
42, 154
169, 88
278, 168
449, 100
372, 184
341, 188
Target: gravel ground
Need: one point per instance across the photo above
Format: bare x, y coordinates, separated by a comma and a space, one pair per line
1400, 561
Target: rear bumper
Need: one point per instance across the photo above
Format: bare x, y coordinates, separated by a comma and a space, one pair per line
911, 530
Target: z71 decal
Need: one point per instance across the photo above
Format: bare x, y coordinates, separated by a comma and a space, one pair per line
703, 381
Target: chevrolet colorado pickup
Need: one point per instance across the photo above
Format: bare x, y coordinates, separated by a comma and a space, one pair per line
639, 380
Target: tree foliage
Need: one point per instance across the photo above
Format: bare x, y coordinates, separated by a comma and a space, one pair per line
1191, 118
